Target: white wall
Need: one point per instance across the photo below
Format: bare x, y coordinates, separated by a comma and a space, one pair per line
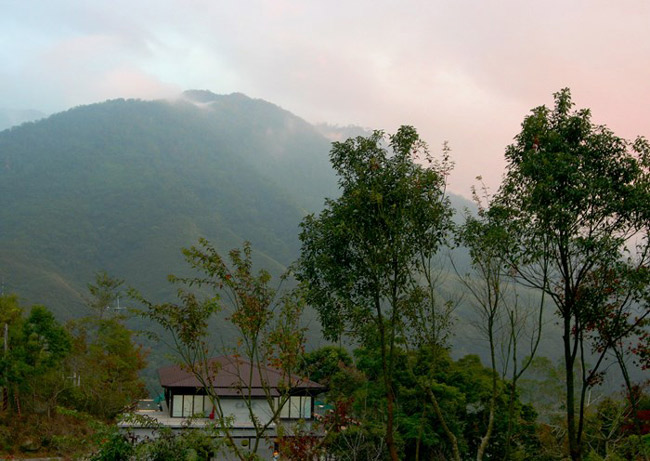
238, 409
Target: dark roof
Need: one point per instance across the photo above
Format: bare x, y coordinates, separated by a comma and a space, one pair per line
230, 376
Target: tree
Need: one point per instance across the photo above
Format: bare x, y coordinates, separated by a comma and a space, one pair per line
577, 198
104, 367
267, 325
45, 345
103, 293
11, 320
493, 296
360, 257
463, 392
330, 366
105, 362
34, 349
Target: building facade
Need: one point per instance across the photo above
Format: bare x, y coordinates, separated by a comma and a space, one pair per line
228, 393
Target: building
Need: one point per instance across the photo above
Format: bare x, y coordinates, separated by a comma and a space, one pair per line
233, 387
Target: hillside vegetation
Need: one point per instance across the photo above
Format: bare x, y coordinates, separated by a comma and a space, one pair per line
123, 185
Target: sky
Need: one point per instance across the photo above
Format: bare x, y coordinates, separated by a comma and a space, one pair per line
461, 71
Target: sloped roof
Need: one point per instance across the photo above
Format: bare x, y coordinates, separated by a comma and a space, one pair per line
230, 376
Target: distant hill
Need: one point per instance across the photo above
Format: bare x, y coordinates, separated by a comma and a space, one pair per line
122, 185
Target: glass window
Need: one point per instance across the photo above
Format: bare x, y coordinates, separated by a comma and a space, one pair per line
294, 408
177, 406
284, 413
187, 405
306, 408
198, 405
207, 406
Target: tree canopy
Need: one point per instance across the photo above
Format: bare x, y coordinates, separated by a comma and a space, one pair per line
576, 198
361, 256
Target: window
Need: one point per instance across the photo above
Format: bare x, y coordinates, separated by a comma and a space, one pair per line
296, 407
190, 405
187, 405
207, 406
177, 406
198, 406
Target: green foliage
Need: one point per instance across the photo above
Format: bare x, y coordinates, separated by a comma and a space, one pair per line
31, 365
463, 389
576, 198
46, 341
115, 447
11, 316
103, 293
104, 367
58, 379
368, 242
361, 257
63, 433
10, 309
267, 320
187, 445
609, 432
321, 365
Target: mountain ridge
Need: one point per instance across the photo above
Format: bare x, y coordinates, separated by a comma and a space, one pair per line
115, 184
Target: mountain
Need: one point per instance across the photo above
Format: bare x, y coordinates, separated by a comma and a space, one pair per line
123, 185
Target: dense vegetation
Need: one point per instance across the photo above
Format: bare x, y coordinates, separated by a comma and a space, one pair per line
63, 385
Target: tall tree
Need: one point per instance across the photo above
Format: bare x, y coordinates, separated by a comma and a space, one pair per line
104, 367
105, 362
360, 256
578, 199
267, 326
500, 319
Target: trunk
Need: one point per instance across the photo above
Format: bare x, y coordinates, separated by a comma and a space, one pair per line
486, 439
574, 448
513, 388
390, 442
445, 428
390, 397
390, 401
493, 398
17, 401
511, 415
630, 390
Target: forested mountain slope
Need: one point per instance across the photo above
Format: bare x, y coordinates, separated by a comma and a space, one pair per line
122, 185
